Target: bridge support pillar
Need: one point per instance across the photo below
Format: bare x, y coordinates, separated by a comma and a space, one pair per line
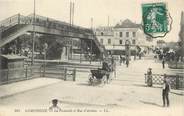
65, 54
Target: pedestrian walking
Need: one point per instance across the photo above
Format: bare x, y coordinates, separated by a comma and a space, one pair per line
165, 91
106, 68
140, 55
155, 57
163, 62
127, 61
121, 59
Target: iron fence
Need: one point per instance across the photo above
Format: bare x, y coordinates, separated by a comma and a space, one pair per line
176, 81
63, 73
30, 72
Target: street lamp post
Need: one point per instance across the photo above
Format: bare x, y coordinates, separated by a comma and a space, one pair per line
45, 54
72, 9
33, 39
127, 49
91, 40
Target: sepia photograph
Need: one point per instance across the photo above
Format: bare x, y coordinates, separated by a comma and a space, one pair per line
92, 57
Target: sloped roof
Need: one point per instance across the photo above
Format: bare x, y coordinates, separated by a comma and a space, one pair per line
128, 24
104, 28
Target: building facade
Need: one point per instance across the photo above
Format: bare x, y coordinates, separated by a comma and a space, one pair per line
114, 38
105, 35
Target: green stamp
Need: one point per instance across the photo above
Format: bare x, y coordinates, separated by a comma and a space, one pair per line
155, 19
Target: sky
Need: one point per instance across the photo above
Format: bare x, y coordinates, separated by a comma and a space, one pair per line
99, 10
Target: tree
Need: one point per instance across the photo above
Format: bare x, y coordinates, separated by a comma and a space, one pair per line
180, 50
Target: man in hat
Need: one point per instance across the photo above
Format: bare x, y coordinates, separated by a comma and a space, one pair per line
54, 107
165, 91
127, 61
163, 62
106, 68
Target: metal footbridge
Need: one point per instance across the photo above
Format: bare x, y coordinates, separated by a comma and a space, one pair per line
17, 25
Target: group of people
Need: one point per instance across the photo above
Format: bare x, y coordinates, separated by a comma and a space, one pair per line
124, 60
168, 55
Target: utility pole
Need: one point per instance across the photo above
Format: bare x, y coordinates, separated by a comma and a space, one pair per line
108, 22
33, 39
91, 39
91, 23
70, 13
71, 24
73, 10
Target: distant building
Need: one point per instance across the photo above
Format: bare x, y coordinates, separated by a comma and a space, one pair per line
161, 44
105, 35
113, 38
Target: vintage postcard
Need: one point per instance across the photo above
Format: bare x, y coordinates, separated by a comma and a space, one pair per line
92, 57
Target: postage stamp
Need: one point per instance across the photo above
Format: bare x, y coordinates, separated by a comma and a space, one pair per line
155, 19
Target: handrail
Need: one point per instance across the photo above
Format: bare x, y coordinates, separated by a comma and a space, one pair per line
20, 19
44, 21
8, 19
49, 23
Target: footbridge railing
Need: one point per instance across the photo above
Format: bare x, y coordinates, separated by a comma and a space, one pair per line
42, 21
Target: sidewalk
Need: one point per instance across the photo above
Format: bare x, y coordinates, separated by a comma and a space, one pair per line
137, 68
23, 86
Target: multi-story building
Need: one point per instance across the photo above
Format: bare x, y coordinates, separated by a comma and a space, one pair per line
114, 38
105, 35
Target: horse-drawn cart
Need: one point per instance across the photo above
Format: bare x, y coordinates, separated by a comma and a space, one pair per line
98, 76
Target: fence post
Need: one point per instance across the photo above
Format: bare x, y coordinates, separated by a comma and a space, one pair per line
74, 74
44, 70
65, 74
115, 70
7, 75
177, 82
40, 71
26, 72
31, 69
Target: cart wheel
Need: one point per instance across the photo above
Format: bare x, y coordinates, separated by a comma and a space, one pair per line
90, 81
